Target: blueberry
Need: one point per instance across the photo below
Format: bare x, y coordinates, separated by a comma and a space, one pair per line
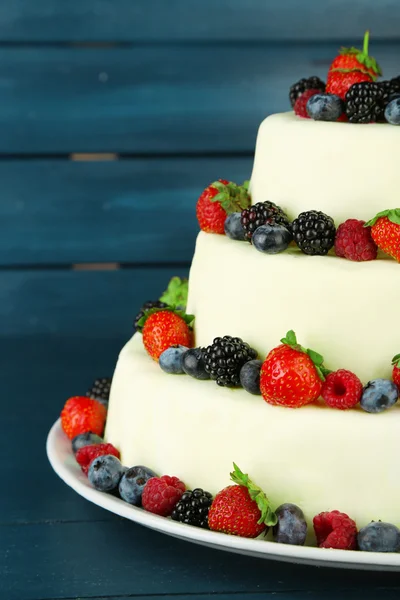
132, 484
324, 107
85, 439
193, 364
378, 395
271, 239
171, 360
233, 227
250, 376
291, 527
392, 112
379, 537
105, 473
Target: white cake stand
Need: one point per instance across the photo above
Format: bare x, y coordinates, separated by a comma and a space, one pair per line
62, 460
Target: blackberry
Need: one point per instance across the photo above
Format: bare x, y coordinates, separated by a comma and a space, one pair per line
364, 102
314, 232
224, 359
312, 83
100, 390
146, 306
263, 213
390, 90
193, 508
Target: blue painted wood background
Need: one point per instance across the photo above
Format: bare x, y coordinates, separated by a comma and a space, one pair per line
114, 115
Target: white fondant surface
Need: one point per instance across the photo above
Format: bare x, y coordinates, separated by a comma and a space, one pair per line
342, 309
319, 458
342, 169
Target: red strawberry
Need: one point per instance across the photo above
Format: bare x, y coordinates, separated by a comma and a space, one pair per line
335, 530
385, 231
291, 375
81, 414
217, 201
396, 370
241, 509
339, 83
86, 455
349, 67
353, 59
165, 328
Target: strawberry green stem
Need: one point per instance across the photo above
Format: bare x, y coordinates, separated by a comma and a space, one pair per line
317, 359
396, 360
268, 517
366, 43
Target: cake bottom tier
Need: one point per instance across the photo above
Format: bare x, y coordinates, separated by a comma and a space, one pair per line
316, 457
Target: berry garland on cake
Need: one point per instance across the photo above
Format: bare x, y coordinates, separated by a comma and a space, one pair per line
240, 509
352, 92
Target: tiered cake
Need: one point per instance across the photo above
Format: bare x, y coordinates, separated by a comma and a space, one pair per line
316, 457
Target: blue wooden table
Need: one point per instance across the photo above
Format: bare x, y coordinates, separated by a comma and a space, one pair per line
113, 116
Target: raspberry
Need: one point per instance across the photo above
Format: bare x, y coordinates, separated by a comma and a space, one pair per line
354, 241
342, 389
335, 530
301, 103
87, 454
162, 494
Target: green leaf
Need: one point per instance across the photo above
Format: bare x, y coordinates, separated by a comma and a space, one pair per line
290, 338
189, 319
317, 358
396, 360
256, 493
393, 214
176, 293
219, 197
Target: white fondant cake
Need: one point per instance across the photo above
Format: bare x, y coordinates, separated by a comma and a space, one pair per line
318, 458
340, 308
347, 171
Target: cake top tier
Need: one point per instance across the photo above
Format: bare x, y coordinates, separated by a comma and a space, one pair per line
346, 171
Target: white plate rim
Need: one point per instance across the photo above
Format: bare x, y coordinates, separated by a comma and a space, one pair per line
62, 461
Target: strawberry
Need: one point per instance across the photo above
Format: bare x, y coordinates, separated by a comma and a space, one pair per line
163, 328
241, 509
218, 200
81, 414
385, 231
353, 59
396, 370
291, 375
349, 67
340, 83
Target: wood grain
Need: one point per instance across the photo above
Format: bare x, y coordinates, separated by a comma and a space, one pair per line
188, 20
62, 212
80, 304
71, 560
152, 99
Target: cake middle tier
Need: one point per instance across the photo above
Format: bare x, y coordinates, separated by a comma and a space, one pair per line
345, 310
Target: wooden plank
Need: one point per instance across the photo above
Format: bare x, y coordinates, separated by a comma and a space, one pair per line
97, 304
183, 20
74, 560
367, 594
152, 99
61, 211
39, 373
